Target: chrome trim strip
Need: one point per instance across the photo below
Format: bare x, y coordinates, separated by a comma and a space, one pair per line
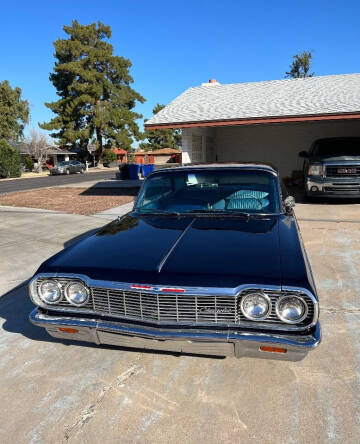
307, 342
165, 258
200, 291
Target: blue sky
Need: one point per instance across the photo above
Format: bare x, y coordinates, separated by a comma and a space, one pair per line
177, 44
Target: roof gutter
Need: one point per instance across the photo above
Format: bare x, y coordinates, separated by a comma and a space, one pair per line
255, 121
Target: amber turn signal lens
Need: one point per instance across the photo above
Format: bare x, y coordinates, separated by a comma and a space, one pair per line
68, 330
273, 349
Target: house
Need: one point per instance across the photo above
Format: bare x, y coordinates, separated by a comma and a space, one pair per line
121, 155
262, 121
54, 154
159, 157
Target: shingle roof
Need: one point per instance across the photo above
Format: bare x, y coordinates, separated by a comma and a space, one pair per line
334, 94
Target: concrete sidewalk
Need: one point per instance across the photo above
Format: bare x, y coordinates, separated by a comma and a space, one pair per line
29, 236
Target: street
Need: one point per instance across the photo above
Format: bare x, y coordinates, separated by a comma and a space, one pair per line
8, 186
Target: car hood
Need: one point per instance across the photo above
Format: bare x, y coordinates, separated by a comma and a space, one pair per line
335, 159
202, 251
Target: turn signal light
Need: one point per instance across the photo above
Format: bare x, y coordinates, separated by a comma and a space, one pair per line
68, 330
273, 349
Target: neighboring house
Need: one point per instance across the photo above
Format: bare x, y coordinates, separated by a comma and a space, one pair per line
121, 155
159, 157
54, 154
262, 121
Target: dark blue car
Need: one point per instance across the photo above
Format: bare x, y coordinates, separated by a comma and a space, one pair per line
210, 261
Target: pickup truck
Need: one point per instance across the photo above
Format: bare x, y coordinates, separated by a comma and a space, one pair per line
332, 168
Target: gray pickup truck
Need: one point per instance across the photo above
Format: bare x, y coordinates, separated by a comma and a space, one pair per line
332, 168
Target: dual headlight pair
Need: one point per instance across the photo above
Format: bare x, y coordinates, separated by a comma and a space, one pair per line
289, 308
52, 292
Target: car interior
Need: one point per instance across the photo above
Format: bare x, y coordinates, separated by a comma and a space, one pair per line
183, 192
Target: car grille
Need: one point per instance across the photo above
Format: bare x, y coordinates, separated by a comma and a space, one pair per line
343, 190
333, 171
172, 309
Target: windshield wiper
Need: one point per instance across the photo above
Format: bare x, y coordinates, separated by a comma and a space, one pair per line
232, 213
158, 213
209, 212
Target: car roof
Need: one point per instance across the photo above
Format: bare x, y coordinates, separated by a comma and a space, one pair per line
222, 166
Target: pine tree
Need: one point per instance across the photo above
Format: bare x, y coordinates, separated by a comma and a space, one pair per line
14, 112
166, 138
300, 66
96, 101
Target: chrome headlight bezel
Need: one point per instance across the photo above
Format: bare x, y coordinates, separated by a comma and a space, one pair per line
41, 297
316, 169
68, 298
262, 295
287, 321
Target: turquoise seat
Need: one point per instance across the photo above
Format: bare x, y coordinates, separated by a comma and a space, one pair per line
247, 203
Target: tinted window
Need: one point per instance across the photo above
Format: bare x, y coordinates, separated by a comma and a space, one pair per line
244, 190
340, 147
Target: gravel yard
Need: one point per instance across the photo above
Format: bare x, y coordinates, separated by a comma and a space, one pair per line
72, 200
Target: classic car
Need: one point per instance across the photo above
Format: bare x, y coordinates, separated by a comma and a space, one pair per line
209, 261
332, 168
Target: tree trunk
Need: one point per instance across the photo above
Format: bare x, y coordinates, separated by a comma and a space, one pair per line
100, 144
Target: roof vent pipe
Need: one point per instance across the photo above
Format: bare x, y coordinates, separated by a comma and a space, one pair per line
211, 82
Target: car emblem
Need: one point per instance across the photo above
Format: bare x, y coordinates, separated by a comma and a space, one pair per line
346, 170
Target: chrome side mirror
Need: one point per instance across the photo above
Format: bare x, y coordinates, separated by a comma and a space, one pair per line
289, 203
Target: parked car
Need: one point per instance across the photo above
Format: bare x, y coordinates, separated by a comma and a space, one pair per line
68, 167
209, 261
332, 168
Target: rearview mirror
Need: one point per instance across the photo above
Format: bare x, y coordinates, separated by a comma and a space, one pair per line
303, 154
289, 203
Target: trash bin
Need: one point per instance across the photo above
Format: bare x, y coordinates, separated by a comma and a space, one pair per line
124, 171
134, 170
147, 169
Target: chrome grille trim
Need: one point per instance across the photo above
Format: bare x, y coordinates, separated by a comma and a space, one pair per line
118, 300
332, 171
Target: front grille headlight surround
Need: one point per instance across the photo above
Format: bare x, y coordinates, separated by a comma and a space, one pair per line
76, 293
255, 306
49, 291
291, 309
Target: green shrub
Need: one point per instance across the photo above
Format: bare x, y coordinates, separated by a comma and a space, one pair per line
109, 156
29, 163
9, 160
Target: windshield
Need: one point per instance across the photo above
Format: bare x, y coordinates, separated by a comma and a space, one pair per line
340, 147
229, 191
62, 164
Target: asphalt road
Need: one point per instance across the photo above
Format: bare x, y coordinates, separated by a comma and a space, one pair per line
54, 391
9, 186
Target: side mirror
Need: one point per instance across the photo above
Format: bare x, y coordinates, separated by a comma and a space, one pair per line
289, 203
304, 154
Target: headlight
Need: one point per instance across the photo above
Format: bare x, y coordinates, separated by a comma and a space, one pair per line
255, 306
291, 309
50, 291
76, 293
316, 170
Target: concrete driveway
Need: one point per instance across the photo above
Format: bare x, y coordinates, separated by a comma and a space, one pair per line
56, 392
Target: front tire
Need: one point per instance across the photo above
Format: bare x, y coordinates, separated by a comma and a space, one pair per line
82, 171
67, 172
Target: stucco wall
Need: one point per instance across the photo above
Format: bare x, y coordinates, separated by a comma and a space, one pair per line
277, 144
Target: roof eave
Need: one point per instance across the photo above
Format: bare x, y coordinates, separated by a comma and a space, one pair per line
256, 120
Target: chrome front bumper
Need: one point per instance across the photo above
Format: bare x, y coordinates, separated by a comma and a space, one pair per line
224, 342
333, 187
